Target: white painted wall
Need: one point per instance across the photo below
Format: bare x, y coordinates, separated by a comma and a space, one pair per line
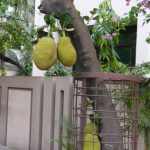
11, 73
38, 20
85, 6
120, 6
142, 47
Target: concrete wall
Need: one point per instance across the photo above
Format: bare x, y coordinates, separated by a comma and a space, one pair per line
120, 6
142, 47
31, 109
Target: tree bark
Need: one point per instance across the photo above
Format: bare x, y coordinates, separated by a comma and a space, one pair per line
88, 62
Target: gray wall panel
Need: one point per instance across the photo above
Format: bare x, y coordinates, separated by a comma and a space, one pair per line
18, 120
62, 105
34, 107
48, 113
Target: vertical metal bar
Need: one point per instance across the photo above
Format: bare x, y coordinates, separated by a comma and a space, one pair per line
136, 98
75, 119
134, 116
61, 118
132, 125
124, 116
83, 113
73, 114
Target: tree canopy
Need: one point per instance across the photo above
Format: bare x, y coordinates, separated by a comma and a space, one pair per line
15, 31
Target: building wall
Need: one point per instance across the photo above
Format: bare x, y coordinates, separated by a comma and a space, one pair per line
121, 6
31, 110
142, 47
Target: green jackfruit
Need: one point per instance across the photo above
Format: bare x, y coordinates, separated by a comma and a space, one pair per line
91, 142
45, 53
90, 128
66, 52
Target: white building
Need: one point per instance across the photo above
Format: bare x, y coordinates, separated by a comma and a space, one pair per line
142, 48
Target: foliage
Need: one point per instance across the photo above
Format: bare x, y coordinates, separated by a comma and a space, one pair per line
14, 35
50, 22
144, 109
26, 62
105, 35
53, 24
58, 70
141, 70
14, 30
144, 112
65, 20
142, 8
67, 135
16, 8
3, 71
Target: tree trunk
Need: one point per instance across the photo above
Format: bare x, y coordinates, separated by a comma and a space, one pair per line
88, 62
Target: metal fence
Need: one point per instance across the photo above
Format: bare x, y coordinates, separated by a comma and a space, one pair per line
121, 94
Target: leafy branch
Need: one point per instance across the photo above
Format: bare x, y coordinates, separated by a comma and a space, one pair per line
106, 34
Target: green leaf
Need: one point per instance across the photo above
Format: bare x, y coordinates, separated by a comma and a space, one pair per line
3, 8
94, 11
148, 40
134, 9
65, 19
96, 18
86, 18
50, 19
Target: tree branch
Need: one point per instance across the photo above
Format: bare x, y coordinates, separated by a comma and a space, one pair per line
7, 59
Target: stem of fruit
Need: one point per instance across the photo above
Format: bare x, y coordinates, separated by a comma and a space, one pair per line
50, 32
63, 33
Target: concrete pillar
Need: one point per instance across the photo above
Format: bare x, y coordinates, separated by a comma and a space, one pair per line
142, 47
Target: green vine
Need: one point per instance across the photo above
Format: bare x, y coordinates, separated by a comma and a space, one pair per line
106, 34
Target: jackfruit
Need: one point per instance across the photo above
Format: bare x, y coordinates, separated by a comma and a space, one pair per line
90, 128
66, 52
91, 142
45, 53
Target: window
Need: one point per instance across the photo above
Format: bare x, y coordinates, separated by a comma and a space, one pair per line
127, 45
